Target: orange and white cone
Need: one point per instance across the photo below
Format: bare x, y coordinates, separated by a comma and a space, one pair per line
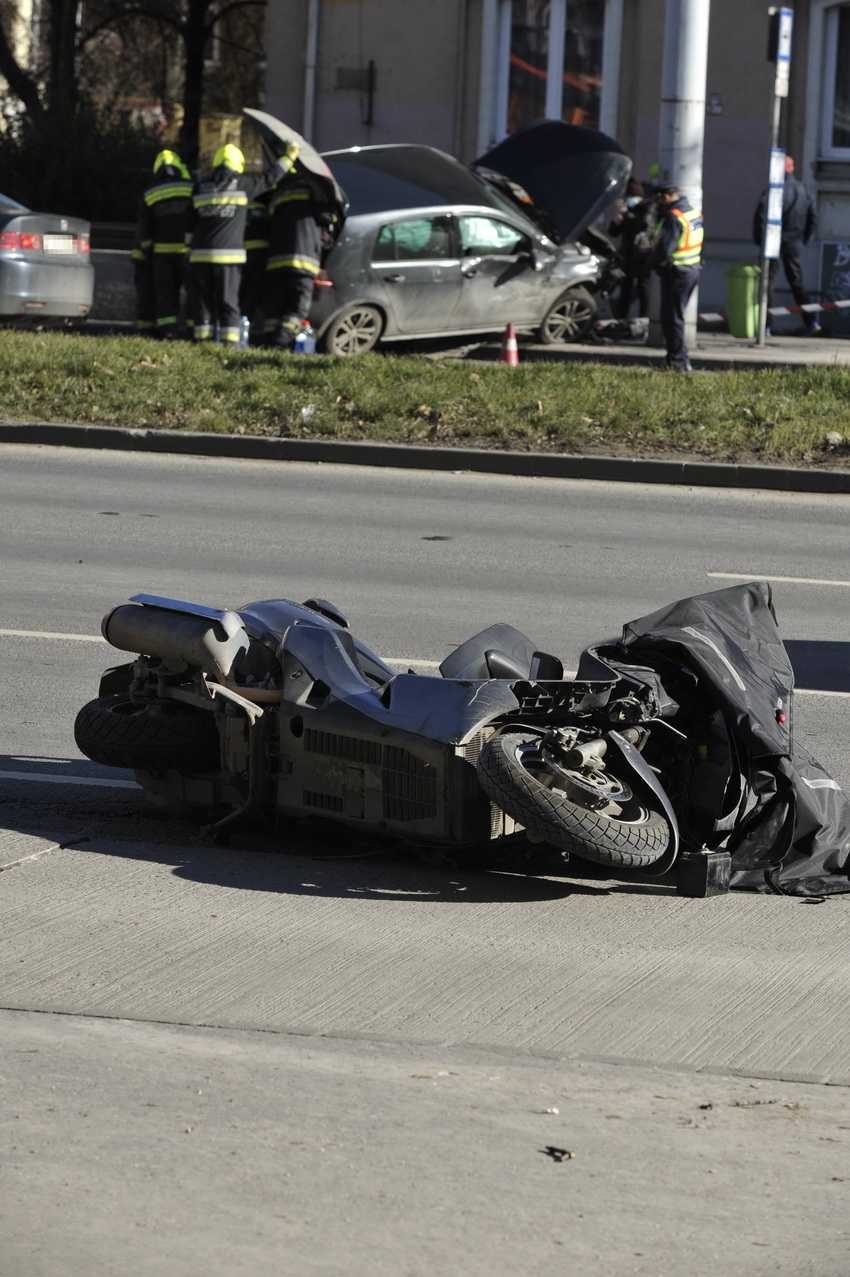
510, 353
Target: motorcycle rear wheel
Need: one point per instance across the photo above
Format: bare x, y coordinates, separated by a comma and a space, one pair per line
509, 769
115, 731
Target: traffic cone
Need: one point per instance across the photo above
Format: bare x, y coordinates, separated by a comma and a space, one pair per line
510, 353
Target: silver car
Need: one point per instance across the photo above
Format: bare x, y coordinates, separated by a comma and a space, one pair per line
45, 265
431, 248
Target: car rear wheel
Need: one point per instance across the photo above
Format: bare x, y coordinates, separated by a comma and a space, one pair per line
570, 319
354, 331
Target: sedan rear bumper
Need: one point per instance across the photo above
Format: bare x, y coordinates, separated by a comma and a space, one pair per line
53, 289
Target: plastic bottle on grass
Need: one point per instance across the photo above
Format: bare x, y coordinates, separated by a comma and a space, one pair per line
305, 340
244, 332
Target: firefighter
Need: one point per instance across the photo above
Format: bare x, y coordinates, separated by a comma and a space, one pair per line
293, 260
163, 219
676, 258
217, 254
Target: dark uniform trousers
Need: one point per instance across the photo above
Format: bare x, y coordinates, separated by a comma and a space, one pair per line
216, 289
169, 271
677, 286
145, 295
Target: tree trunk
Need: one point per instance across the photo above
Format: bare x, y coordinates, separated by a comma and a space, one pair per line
194, 41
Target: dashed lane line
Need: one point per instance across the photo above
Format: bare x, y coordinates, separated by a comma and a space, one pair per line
46, 634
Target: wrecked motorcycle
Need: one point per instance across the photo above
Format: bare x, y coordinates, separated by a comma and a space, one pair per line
670, 747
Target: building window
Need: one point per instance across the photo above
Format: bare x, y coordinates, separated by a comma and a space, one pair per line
583, 62
835, 142
553, 61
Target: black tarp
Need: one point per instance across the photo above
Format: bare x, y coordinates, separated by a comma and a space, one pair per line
788, 829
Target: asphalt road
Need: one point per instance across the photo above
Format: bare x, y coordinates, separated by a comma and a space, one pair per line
266, 1056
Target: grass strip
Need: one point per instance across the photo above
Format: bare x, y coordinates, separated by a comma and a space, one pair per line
769, 416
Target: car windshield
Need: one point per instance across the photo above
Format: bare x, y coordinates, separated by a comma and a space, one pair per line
383, 178
8, 205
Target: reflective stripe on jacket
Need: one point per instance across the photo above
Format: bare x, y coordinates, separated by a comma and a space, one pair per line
164, 216
688, 248
220, 211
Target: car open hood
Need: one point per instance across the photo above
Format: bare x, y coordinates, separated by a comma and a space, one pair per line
572, 173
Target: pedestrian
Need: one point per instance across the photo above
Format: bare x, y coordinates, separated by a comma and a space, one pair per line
799, 223
295, 246
634, 226
162, 224
220, 202
676, 258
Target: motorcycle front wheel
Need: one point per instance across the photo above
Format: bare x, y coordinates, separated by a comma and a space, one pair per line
605, 823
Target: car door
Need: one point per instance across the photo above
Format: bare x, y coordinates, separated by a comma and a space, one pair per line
416, 261
500, 284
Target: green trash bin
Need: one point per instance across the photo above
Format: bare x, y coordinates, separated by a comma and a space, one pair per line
742, 302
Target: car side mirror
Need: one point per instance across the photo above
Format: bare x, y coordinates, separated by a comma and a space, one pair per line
534, 259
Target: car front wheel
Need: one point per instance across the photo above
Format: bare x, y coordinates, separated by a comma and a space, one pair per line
354, 331
570, 319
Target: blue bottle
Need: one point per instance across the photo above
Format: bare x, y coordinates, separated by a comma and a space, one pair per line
244, 332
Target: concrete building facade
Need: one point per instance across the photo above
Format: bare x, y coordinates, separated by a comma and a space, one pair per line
460, 74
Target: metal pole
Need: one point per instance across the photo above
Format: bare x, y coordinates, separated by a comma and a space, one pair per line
310, 56
682, 124
779, 51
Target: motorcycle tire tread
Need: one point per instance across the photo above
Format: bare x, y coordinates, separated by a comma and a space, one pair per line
550, 815
112, 732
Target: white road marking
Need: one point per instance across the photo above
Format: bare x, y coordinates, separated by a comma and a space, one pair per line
767, 576
48, 779
46, 634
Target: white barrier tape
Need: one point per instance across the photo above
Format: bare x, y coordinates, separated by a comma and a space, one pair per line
810, 308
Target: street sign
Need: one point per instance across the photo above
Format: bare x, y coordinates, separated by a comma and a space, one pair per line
773, 203
779, 48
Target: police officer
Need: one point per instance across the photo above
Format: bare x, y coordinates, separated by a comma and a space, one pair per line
219, 214
162, 223
293, 261
676, 259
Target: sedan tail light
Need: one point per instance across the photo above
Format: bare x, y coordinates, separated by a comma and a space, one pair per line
17, 240
25, 241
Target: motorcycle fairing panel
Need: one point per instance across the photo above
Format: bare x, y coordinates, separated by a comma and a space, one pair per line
786, 821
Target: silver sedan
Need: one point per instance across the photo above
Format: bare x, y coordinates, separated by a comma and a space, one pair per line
45, 265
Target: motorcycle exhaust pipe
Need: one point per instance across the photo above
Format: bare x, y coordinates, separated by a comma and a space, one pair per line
153, 631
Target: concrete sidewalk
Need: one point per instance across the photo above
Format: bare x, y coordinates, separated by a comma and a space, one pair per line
714, 351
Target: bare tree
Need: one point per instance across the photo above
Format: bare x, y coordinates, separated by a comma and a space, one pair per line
138, 44
191, 25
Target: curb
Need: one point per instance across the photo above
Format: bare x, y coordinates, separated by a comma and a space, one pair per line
414, 457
